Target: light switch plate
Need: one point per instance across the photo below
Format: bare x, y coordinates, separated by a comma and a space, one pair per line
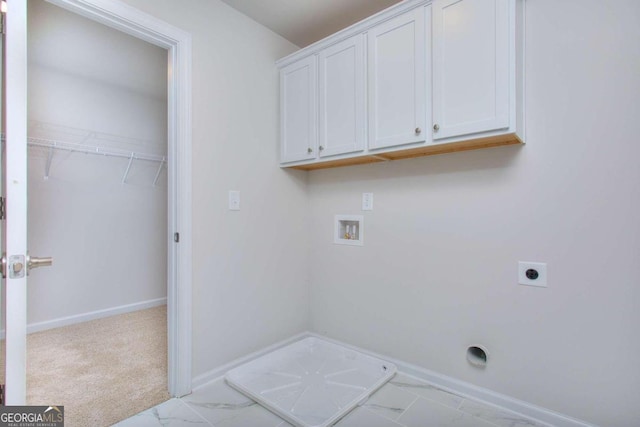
532, 273
367, 201
234, 200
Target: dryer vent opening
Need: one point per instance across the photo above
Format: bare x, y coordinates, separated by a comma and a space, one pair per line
477, 356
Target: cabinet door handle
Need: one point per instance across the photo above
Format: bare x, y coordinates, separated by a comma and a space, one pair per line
321, 148
309, 150
418, 131
436, 127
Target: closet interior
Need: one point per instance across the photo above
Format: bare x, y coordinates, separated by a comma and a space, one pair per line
97, 110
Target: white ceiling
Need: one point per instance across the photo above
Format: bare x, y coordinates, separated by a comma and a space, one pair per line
304, 22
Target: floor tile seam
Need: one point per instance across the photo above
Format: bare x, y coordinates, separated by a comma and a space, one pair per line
192, 409
451, 408
454, 407
493, 408
388, 418
406, 410
408, 406
472, 415
382, 416
408, 388
399, 389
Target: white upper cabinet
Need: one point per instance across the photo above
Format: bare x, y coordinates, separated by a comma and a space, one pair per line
423, 77
397, 80
471, 67
298, 110
341, 93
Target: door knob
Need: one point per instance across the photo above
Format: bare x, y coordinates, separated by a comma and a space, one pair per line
436, 127
35, 262
14, 265
309, 150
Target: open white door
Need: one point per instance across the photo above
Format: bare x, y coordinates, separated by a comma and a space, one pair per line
16, 261
14, 181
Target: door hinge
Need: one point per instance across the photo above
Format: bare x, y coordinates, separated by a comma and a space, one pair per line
176, 237
3, 209
3, 17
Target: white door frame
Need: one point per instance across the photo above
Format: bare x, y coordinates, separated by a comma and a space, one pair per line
123, 17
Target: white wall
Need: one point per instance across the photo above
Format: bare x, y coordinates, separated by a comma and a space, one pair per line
438, 271
250, 268
108, 240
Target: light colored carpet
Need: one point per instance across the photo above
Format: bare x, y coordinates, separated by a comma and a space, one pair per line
102, 371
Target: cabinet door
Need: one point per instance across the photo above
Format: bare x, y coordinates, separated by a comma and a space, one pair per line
470, 66
298, 118
397, 80
342, 99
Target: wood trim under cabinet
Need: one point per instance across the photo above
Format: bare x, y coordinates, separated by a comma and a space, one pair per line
430, 150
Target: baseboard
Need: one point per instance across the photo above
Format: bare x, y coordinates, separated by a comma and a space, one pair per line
473, 392
444, 382
219, 372
93, 315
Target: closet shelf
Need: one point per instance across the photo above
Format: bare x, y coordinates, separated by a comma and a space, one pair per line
88, 149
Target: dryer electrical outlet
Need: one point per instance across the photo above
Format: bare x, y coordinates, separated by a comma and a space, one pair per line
532, 274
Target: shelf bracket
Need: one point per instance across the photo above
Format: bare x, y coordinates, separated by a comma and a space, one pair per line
155, 180
126, 172
47, 167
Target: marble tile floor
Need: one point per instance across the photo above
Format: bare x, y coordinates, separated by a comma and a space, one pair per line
403, 402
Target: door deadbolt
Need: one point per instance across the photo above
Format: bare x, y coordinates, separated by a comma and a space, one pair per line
16, 266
